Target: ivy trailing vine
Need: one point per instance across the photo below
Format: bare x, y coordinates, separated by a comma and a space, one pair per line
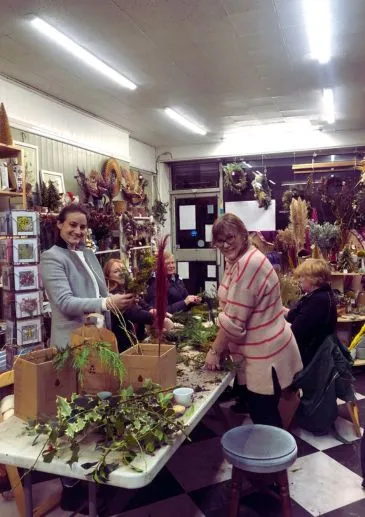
159, 212
131, 424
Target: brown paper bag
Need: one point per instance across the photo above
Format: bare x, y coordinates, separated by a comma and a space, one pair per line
96, 377
37, 383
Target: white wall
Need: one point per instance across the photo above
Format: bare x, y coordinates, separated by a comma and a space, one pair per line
302, 141
163, 185
29, 110
142, 156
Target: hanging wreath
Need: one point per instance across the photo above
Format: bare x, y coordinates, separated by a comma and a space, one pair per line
112, 175
235, 177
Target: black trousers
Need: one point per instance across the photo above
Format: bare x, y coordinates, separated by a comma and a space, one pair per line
264, 409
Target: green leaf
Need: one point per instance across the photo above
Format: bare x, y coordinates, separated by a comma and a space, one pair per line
64, 408
75, 449
89, 465
189, 412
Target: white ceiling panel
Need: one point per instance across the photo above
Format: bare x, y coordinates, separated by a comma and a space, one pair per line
225, 63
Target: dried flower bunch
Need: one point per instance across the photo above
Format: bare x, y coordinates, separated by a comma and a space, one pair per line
102, 221
298, 221
326, 236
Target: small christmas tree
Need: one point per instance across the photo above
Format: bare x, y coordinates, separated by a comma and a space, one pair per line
43, 194
53, 198
5, 132
345, 261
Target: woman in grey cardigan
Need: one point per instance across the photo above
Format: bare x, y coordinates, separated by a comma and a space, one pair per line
73, 278
75, 285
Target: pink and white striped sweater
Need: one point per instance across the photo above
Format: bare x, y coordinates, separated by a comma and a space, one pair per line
253, 320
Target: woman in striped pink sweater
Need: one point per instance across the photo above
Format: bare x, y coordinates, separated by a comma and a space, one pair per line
252, 324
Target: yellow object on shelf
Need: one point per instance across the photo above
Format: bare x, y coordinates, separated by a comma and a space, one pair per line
357, 338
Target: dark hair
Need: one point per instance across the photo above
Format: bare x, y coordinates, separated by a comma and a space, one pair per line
71, 209
226, 221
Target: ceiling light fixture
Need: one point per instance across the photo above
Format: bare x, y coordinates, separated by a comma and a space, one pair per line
185, 122
79, 52
328, 106
317, 14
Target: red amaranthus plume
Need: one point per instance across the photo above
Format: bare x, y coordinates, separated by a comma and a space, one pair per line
161, 290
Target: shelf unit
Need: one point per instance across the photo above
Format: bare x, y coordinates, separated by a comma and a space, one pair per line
8, 153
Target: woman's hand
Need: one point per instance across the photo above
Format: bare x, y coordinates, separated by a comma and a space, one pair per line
213, 360
285, 310
121, 301
168, 324
192, 299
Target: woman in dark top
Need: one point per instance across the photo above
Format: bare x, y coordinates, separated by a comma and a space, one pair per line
136, 317
315, 315
178, 298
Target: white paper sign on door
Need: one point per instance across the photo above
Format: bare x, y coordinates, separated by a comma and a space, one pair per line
212, 271
183, 270
187, 217
208, 232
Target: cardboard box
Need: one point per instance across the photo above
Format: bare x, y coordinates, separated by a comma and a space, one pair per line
37, 384
142, 362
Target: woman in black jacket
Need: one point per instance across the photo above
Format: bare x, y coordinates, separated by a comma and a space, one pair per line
178, 298
136, 317
315, 315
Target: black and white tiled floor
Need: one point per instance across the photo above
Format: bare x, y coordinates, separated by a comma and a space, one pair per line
325, 480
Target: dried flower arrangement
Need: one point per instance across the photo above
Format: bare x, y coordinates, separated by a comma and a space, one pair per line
102, 221
159, 211
326, 236
289, 289
298, 221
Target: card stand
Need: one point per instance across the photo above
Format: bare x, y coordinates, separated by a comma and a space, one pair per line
23, 223
19, 251
22, 305
21, 278
24, 332
19, 223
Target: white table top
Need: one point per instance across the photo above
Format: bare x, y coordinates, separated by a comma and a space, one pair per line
16, 446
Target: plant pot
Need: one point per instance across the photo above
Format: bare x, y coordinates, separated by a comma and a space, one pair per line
149, 365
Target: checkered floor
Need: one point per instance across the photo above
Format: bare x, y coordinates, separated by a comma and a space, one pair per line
325, 480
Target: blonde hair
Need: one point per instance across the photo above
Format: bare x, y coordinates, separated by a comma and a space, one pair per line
167, 255
226, 222
317, 271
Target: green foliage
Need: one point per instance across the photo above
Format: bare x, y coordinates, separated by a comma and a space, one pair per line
346, 261
159, 212
80, 355
235, 177
130, 423
193, 334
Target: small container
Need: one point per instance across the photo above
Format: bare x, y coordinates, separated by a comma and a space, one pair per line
184, 396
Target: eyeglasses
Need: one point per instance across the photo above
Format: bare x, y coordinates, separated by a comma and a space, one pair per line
230, 239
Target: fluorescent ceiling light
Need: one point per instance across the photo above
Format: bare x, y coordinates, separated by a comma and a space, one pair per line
317, 14
289, 126
185, 122
81, 53
328, 106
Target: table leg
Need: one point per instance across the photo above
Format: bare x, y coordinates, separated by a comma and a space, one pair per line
28, 494
92, 499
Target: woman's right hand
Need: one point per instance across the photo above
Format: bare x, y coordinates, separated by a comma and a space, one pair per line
192, 299
213, 360
121, 301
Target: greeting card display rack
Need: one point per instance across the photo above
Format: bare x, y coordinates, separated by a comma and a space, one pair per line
22, 294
